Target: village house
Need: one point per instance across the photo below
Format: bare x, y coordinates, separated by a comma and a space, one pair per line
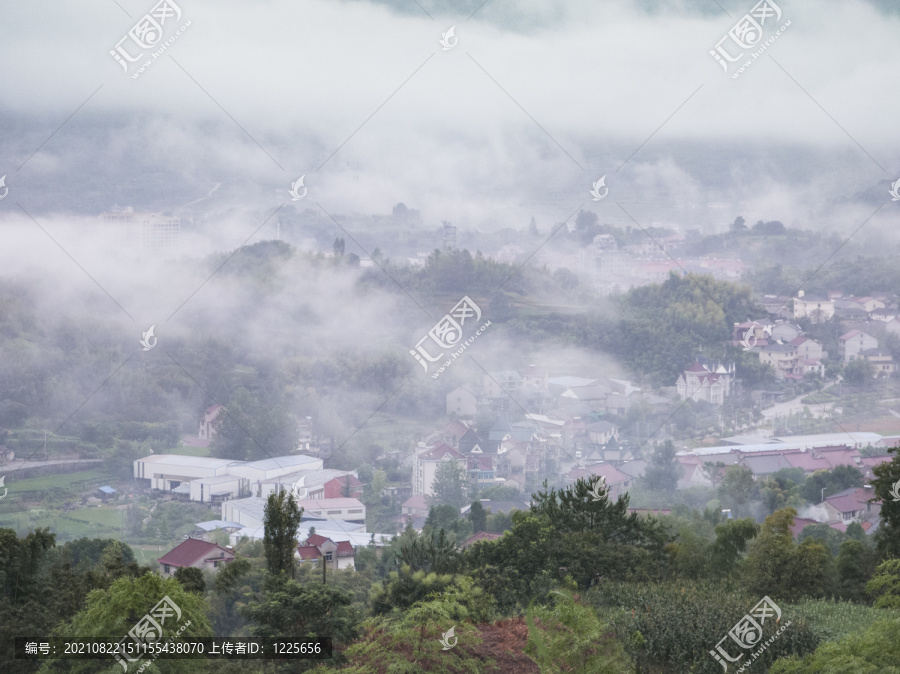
784, 359
207, 423
817, 309
462, 402
784, 331
752, 333
807, 348
882, 361
340, 555
852, 343
700, 383
415, 506
852, 505
195, 553
426, 464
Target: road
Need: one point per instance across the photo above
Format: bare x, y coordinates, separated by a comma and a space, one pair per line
794, 406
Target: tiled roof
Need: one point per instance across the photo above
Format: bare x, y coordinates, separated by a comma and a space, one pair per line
190, 552
800, 523
417, 502
316, 540
439, 451
849, 500
345, 549
610, 473
308, 552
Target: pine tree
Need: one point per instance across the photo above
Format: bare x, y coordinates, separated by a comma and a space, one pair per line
281, 521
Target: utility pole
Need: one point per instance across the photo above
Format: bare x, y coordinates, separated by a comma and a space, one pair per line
823, 494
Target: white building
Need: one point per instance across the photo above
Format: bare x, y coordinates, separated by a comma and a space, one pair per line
217, 479
250, 512
700, 383
426, 464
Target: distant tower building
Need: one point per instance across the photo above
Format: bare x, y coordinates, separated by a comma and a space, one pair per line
142, 232
449, 235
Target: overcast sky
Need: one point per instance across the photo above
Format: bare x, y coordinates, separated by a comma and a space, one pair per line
534, 102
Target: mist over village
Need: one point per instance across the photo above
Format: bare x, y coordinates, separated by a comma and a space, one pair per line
386, 337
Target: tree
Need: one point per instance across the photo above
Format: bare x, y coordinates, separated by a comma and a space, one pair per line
663, 472
432, 551
738, 225
767, 568
478, 517
228, 576
731, 541
572, 638
859, 372
855, 566
446, 518
833, 481
449, 484
113, 611
884, 587
736, 488
191, 578
887, 475
876, 649
281, 520
783, 570
290, 611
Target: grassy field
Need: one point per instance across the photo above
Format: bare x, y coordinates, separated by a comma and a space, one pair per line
66, 526
59, 481
832, 620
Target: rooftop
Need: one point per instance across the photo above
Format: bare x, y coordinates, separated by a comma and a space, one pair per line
191, 551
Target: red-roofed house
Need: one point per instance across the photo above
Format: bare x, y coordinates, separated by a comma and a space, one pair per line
337, 555
337, 488
426, 464
698, 383
415, 506
480, 470
852, 505
800, 523
808, 461
195, 553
